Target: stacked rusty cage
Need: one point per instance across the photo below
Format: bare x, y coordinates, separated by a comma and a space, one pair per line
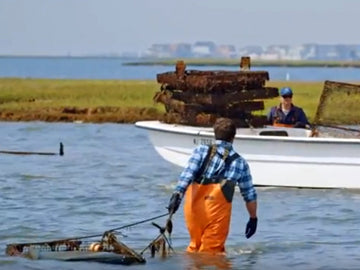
197, 98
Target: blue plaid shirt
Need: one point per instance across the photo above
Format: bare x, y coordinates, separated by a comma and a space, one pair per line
238, 171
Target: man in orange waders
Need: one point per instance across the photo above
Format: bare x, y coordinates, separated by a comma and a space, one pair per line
208, 183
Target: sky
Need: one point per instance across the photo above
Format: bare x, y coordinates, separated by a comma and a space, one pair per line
90, 27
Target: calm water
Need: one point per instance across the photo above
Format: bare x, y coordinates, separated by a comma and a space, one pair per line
113, 68
111, 176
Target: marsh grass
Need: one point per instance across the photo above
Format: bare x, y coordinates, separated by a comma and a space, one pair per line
123, 101
15, 93
70, 100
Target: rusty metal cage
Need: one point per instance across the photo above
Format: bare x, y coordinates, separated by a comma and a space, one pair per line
194, 97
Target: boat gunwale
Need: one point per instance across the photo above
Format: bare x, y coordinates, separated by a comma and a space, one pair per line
182, 129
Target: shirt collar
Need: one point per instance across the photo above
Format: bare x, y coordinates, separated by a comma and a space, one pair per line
225, 144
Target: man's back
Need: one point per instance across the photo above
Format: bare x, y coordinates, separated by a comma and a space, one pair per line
237, 171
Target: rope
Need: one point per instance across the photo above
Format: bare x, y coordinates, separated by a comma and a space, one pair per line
94, 235
138, 222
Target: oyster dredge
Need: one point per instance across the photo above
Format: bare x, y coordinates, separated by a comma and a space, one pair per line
102, 248
315, 157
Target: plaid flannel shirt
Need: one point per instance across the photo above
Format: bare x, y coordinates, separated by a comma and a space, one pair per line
238, 170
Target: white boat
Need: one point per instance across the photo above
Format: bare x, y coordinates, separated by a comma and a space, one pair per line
282, 157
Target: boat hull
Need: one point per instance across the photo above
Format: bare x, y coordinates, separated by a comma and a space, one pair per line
292, 161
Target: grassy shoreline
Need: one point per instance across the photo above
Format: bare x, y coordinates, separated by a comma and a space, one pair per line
118, 101
94, 101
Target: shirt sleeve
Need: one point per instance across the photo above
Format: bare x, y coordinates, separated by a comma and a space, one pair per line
245, 183
302, 117
193, 166
270, 116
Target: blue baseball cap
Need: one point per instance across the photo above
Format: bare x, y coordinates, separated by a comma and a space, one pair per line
286, 91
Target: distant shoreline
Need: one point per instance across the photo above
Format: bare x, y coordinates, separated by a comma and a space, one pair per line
254, 63
131, 61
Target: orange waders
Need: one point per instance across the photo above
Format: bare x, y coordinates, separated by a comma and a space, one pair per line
282, 125
207, 211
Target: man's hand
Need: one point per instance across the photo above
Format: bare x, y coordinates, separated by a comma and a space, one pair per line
251, 227
174, 202
299, 125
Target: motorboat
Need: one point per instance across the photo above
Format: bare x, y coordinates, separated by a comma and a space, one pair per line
277, 156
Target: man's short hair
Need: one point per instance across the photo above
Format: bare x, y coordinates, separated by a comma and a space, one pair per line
224, 129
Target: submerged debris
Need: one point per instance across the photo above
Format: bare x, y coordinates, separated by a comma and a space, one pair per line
107, 249
60, 153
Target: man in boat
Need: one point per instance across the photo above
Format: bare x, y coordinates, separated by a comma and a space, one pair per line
208, 183
286, 114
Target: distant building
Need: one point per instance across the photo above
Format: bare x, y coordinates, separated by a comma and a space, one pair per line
226, 51
183, 50
308, 52
338, 52
208, 49
253, 51
159, 50
328, 52
204, 49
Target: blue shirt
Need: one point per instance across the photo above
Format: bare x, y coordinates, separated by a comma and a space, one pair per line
238, 170
296, 115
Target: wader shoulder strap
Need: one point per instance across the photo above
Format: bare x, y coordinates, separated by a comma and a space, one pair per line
211, 151
227, 161
228, 187
231, 158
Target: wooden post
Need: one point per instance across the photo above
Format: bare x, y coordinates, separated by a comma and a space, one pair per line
245, 63
180, 69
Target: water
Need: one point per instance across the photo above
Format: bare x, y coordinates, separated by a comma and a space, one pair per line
113, 68
111, 176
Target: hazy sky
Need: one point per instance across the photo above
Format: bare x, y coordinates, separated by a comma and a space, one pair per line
113, 26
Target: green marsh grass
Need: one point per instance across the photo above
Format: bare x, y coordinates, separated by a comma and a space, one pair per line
113, 100
15, 93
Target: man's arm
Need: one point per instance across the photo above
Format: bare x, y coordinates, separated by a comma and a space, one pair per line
245, 183
252, 208
185, 178
301, 120
189, 172
251, 225
241, 172
270, 117
302, 117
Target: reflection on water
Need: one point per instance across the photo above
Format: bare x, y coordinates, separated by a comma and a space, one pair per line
201, 261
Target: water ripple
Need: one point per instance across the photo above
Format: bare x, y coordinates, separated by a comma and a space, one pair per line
111, 176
